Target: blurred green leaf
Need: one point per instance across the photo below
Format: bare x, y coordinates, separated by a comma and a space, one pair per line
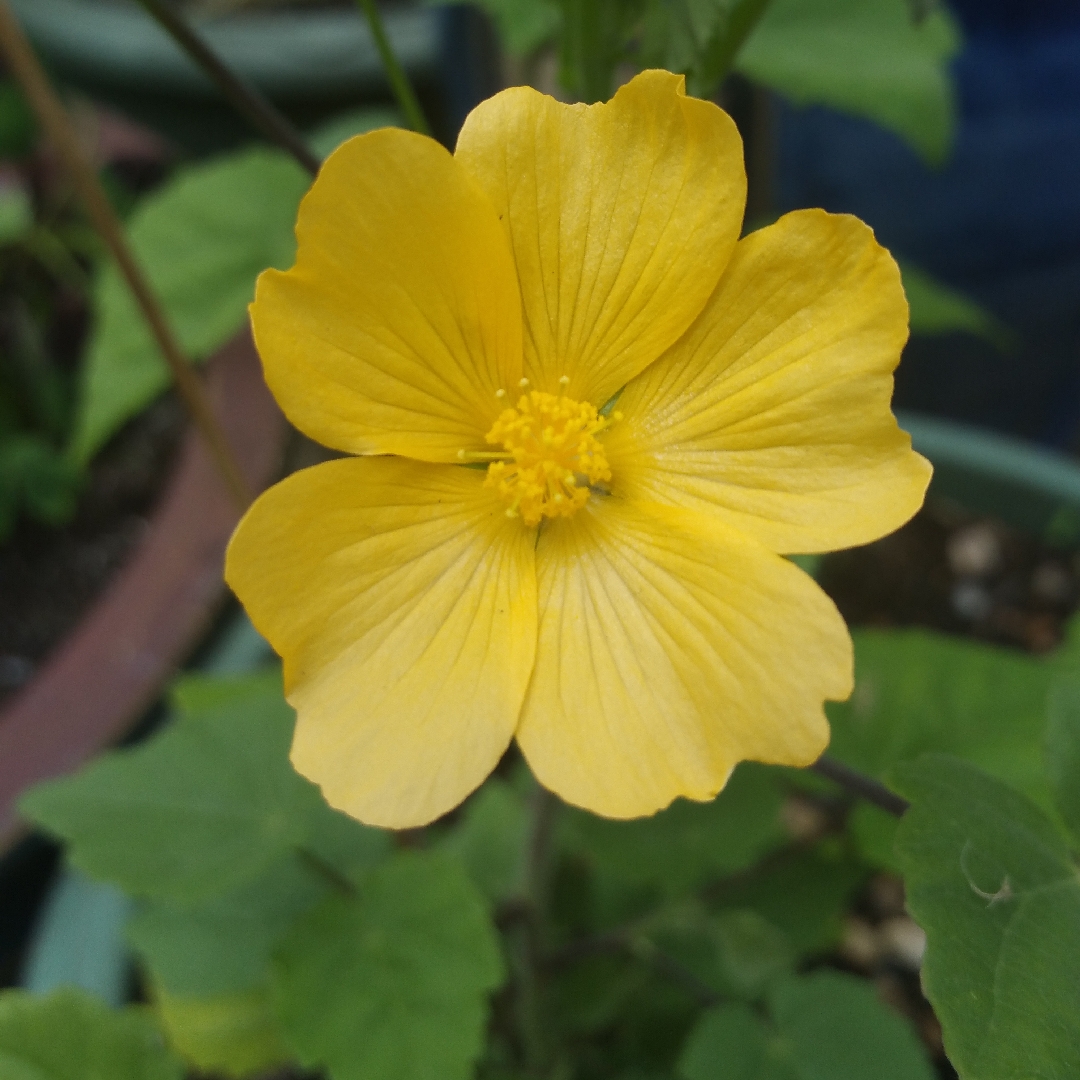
593, 41
1063, 751
392, 984
917, 691
937, 309
523, 25
70, 1035
732, 1042
737, 953
688, 844
990, 880
16, 213
235, 1034
805, 895
865, 57
330, 135
223, 945
700, 38
836, 1028
825, 1026
37, 480
202, 238
199, 810
18, 128
490, 840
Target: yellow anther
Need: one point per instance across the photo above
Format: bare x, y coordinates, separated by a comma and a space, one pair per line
500, 393
551, 456
523, 383
564, 381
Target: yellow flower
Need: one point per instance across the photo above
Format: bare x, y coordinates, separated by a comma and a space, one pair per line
604, 585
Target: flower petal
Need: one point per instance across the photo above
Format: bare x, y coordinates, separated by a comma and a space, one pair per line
403, 601
621, 217
401, 317
666, 656
773, 413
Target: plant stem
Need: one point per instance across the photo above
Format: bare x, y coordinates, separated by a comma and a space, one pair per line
395, 73
26, 68
326, 871
247, 101
526, 938
860, 785
725, 45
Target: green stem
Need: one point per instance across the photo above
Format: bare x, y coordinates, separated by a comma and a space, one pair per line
325, 871
395, 73
725, 45
528, 937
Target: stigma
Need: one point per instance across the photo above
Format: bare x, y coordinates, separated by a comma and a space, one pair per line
550, 458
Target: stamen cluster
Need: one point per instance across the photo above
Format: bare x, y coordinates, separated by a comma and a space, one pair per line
552, 456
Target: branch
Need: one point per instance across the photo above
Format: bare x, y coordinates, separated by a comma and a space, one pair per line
247, 101
860, 785
24, 65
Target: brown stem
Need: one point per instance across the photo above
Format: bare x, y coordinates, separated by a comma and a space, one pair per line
26, 68
247, 101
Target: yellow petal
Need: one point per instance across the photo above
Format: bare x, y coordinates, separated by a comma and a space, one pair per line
401, 317
666, 656
621, 217
403, 601
773, 413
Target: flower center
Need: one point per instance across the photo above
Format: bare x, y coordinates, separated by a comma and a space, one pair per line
551, 456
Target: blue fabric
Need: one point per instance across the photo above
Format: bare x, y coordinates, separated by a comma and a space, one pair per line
1001, 220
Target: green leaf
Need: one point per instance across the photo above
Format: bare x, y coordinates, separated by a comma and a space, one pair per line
738, 953
937, 309
329, 136
688, 844
199, 810
16, 213
917, 691
223, 944
1063, 751
864, 57
805, 896
234, 1034
36, 479
523, 25
70, 1035
18, 128
490, 840
990, 880
202, 239
836, 1028
593, 41
392, 983
732, 1042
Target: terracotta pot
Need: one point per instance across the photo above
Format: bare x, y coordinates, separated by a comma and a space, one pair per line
101, 679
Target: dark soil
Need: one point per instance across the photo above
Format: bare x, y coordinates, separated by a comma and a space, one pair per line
952, 571
48, 576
